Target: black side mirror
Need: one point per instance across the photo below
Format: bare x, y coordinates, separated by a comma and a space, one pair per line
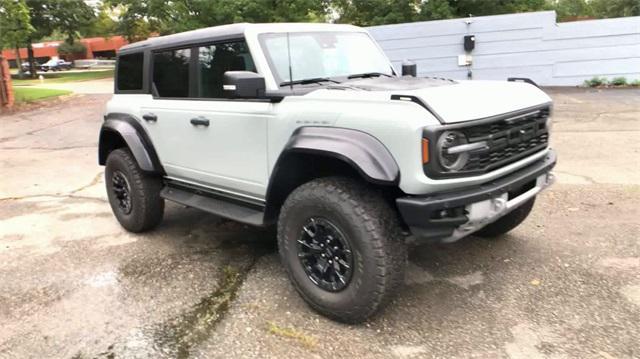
409, 69
243, 84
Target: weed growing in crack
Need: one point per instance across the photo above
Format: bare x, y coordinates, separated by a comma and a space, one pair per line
291, 333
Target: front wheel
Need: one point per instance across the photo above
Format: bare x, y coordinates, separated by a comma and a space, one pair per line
342, 247
133, 195
508, 222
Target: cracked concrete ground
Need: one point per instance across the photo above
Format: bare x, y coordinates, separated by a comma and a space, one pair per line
73, 284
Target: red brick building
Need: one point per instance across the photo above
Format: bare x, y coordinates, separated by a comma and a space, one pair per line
97, 47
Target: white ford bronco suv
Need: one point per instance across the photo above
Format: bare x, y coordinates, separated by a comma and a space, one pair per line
310, 128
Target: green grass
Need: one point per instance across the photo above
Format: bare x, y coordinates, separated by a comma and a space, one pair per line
30, 94
596, 81
62, 76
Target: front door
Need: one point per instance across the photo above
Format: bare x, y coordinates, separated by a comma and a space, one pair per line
200, 136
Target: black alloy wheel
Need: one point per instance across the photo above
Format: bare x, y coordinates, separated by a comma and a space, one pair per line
325, 254
342, 247
122, 191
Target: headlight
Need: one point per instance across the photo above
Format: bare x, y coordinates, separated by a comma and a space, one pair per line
452, 161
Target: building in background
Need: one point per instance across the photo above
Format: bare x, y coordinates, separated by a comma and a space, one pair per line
531, 45
97, 48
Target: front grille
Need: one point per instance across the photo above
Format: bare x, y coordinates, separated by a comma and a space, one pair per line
508, 139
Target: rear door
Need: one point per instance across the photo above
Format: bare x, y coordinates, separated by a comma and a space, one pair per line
200, 136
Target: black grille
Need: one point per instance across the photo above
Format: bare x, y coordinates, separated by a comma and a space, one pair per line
508, 139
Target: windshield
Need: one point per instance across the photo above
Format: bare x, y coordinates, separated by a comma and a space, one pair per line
316, 55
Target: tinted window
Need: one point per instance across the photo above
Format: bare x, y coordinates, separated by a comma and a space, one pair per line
214, 60
130, 72
171, 73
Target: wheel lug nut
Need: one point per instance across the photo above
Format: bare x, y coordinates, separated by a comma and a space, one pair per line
330, 261
322, 255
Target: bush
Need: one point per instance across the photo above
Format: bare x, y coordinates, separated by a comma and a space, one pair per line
66, 49
595, 82
635, 83
618, 81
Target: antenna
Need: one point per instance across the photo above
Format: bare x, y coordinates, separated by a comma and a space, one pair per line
289, 55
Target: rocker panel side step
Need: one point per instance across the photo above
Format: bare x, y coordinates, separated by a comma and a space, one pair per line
209, 203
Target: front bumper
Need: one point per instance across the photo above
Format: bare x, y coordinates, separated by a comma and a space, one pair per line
449, 216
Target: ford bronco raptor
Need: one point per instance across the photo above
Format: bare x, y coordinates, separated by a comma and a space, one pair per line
308, 127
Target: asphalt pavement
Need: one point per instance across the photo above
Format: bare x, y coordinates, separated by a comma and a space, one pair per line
74, 284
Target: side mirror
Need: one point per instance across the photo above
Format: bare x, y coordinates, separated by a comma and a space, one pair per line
409, 69
243, 84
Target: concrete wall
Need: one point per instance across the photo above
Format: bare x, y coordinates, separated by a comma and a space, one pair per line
518, 45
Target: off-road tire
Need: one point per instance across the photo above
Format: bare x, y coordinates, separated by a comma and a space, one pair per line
372, 230
508, 222
147, 207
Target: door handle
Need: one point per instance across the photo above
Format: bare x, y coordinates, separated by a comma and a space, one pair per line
200, 121
149, 117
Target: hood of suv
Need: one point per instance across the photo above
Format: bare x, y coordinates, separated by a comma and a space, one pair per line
384, 83
451, 101
471, 100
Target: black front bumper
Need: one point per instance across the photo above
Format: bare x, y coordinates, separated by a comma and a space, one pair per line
422, 214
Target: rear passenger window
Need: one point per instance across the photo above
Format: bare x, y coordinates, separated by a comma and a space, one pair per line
130, 72
173, 76
171, 73
215, 60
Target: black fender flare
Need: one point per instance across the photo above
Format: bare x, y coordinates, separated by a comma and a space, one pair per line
362, 151
135, 137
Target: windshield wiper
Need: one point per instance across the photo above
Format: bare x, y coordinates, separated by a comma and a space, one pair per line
315, 80
367, 75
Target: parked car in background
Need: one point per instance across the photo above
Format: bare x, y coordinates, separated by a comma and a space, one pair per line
56, 65
26, 68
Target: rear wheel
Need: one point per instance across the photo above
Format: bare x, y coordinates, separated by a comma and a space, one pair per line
507, 222
133, 195
342, 247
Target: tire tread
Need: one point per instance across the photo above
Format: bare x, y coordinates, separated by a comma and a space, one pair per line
383, 230
145, 188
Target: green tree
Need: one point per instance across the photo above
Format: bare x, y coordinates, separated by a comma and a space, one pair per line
15, 26
70, 16
67, 17
101, 25
75, 49
436, 10
572, 9
493, 7
516, 6
138, 19
376, 12
615, 8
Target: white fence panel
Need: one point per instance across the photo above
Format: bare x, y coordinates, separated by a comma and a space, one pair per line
529, 45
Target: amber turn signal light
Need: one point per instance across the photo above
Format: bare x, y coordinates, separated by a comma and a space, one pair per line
425, 151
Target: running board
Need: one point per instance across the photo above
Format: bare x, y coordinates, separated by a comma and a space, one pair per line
220, 207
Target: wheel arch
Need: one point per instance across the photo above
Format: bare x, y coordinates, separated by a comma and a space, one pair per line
122, 130
314, 152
